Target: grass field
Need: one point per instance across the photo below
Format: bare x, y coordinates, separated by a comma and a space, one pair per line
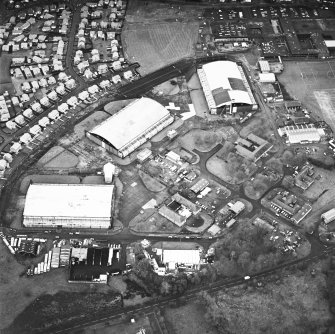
188, 319
151, 183
313, 83
155, 45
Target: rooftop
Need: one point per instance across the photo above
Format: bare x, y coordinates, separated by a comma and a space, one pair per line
69, 200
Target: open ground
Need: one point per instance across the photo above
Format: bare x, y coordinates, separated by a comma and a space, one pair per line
157, 45
313, 83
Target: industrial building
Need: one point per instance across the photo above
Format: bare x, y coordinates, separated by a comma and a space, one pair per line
131, 127
68, 206
199, 186
252, 147
173, 258
237, 207
226, 87
299, 134
328, 216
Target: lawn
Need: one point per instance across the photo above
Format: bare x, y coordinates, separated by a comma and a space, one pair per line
201, 140
152, 222
151, 183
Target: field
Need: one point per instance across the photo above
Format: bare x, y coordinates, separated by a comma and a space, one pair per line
313, 83
158, 44
295, 304
188, 319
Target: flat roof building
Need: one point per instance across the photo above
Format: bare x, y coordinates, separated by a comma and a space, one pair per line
68, 206
225, 85
131, 127
237, 207
328, 216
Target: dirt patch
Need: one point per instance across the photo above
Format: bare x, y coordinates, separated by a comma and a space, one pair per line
151, 183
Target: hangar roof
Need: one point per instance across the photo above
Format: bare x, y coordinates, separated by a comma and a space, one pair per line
226, 83
69, 200
131, 122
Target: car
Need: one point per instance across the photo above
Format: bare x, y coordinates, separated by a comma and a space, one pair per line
246, 278
170, 236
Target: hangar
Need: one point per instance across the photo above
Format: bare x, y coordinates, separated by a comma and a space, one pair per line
226, 87
68, 205
131, 127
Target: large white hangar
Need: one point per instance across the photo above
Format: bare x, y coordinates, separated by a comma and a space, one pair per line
68, 206
226, 87
131, 127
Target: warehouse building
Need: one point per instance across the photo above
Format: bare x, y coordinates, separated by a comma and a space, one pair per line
68, 206
328, 216
252, 147
131, 127
300, 134
185, 256
226, 87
